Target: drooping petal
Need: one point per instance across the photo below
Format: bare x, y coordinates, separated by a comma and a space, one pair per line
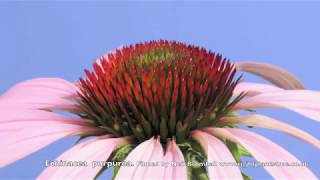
49, 103
174, 155
42, 93
26, 116
173, 161
218, 152
265, 151
276, 75
92, 154
154, 170
61, 86
151, 151
304, 102
21, 139
270, 123
168, 170
139, 154
253, 89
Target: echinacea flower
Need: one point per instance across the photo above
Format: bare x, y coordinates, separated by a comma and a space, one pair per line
160, 109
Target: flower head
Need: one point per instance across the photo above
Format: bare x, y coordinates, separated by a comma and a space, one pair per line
157, 88
161, 108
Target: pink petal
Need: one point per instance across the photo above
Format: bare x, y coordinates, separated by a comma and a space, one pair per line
179, 171
154, 171
253, 89
24, 148
218, 152
40, 103
56, 85
276, 75
151, 151
174, 162
141, 153
25, 116
95, 150
168, 170
44, 93
265, 151
17, 131
21, 139
304, 102
267, 122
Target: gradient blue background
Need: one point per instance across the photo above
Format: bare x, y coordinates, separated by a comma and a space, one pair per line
60, 39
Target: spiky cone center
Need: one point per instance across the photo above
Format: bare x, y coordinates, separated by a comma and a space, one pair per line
157, 88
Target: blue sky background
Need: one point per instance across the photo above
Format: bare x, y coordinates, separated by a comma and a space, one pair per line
60, 39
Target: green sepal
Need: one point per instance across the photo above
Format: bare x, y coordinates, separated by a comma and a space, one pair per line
237, 150
193, 153
232, 114
195, 171
243, 151
230, 125
227, 124
119, 156
245, 176
233, 147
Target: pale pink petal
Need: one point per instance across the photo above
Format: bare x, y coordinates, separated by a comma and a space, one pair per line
58, 86
21, 139
304, 102
43, 93
142, 152
40, 103
265, 151
167, 159
18, 131
174, 157
218, 152
24, 116
179, 171
154, 170
270, 123
253, 89
276, 75
141, 168
27, 122
151, 151
94, 152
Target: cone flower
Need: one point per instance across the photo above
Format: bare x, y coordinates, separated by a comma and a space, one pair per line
157, 110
